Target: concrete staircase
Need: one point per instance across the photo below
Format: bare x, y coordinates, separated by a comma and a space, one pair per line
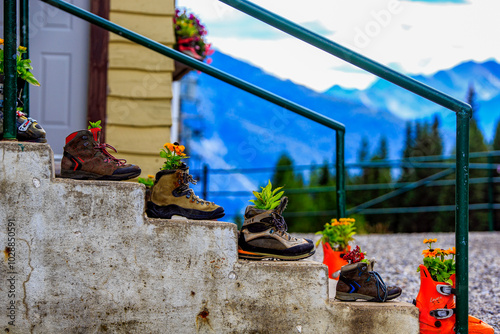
81, 257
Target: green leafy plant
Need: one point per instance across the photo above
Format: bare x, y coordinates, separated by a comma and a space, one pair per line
338, 233
95, 125
148, 182
439, 266
173, 155
267, 199
23, 65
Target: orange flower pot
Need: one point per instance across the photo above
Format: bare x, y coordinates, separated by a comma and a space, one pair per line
334, 260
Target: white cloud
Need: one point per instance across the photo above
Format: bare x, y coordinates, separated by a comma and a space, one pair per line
417, 37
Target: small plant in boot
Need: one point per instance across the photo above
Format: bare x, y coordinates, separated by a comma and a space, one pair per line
27, 128
358, 280
171, 196
264, 231
335, 239
86, 158
436, 297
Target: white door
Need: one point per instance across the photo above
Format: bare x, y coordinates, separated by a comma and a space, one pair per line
59, 50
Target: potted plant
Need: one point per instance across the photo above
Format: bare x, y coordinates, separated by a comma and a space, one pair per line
335, 238
436, 296
23, 70
190, 39
27, 128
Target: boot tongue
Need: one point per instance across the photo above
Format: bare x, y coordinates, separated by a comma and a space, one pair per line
282, 206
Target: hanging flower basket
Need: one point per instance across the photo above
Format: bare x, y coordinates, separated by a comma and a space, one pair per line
190, 40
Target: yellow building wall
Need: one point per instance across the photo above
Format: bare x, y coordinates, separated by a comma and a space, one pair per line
140, 83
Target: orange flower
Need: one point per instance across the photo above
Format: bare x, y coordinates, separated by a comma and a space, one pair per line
427, 253
1, 41
452, 250
179, 149
151, 176
169, 146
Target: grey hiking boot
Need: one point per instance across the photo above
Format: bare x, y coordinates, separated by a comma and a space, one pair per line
264, 235
359, 281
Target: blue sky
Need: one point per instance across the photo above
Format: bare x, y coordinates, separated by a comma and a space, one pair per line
413, 36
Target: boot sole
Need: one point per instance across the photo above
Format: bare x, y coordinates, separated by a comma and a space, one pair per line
260, 256
166, 212
82, 175
351, 297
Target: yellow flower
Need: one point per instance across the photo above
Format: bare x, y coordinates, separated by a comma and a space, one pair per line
151, 176
21, 48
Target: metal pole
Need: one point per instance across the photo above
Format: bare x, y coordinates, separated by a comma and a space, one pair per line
24, 36
340, 176
10, 70
462, 222
205, 182
491, 197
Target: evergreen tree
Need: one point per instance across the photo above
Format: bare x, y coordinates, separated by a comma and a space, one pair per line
478, 193
297, 202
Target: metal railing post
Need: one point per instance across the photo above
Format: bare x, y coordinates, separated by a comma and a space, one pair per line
462, 222
10, 70
205, 182
491, 195
340, 175
24, 37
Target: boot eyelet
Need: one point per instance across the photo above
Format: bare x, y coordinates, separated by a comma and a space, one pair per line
271, 231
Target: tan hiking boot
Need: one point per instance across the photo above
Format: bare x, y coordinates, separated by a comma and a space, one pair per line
264, 235
359, 281
85, 158
171, 196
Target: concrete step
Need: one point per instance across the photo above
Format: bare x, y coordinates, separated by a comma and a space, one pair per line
81, 257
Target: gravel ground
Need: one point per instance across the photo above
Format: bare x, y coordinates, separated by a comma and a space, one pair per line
398, 257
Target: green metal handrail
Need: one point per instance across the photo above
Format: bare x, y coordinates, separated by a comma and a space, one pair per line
462, 109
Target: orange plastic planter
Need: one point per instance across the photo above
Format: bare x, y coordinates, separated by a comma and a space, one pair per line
334, 260
429, 299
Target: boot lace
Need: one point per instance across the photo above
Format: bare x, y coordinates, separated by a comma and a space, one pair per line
381, 287
109, 158
184, 180
281, 227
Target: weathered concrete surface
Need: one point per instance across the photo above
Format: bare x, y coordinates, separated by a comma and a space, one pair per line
82, 258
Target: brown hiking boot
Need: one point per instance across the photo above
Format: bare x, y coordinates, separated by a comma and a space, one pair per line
85, 158
264, 235
359, 281
171, 196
